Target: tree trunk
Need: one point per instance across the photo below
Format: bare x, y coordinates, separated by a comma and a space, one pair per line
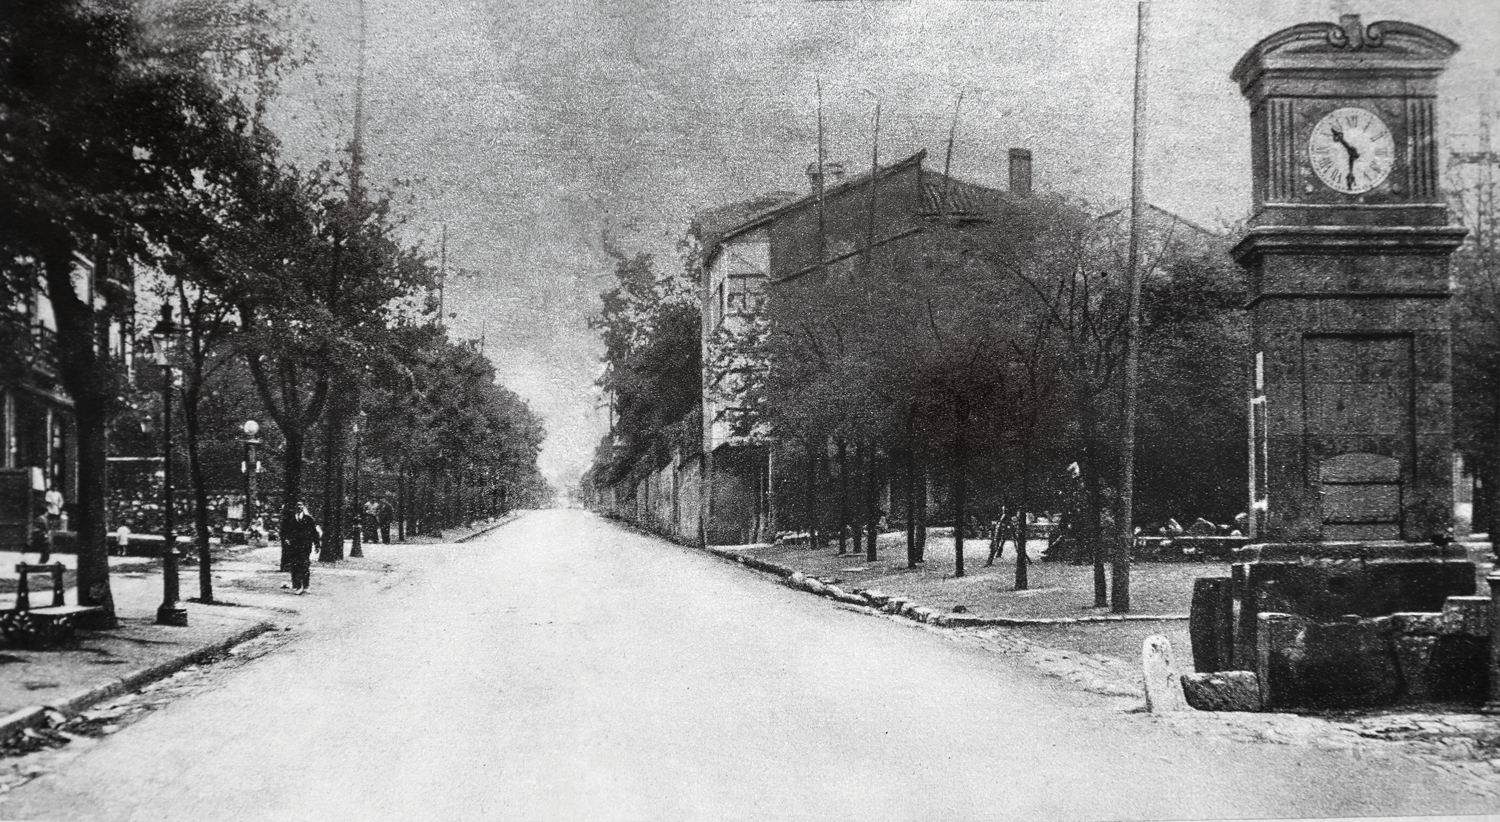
334, 444
192, 391
909, 491
1492, 483
401, 502
872, 505
811, 501
960, 488
1022, 527
921, 516
843, 446
87, 376
825, 479
911, 488
1093, 503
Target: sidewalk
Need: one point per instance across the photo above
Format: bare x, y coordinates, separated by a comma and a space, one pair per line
106, 663
472, 531
1056, 610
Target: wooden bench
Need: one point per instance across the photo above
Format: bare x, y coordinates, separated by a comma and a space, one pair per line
41, 627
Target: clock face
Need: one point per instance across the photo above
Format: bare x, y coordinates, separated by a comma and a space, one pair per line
1351, 150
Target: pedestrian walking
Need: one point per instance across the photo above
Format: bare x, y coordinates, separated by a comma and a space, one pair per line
54, 501
369, 521
299, 536
383, 517
40, 538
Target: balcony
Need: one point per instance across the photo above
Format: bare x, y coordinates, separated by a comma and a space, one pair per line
27, 348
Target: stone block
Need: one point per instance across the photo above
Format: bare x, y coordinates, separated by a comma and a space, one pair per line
1162, 680
1316, 664
1467, 616
877, 598
1211, 624
1414, 657
1355, 582
1222, 691
1418, 623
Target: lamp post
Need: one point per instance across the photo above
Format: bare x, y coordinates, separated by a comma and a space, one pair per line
252, 468
355, 545
163, 343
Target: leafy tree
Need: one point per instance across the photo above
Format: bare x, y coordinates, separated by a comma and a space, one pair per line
649, 325
1474, 182
105, 147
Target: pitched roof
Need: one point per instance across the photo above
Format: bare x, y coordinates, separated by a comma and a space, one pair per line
940, 195
952, 196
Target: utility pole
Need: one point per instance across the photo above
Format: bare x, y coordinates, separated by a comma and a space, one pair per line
1120, 572
443, 277
356, 146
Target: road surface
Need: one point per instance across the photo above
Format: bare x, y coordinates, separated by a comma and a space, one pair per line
567, 668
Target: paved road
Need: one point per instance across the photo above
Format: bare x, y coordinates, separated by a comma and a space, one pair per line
565, 668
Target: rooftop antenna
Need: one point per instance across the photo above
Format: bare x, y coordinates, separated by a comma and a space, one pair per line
948, 155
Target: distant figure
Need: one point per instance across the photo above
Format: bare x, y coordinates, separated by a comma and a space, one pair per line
383, 519
54, 500
369, 520
997, 540
299, 536
40, 538
122, 540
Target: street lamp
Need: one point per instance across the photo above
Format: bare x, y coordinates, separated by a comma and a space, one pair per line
355, 549
163, 343
252, 468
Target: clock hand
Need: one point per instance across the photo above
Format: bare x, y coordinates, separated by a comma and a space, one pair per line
1338, 134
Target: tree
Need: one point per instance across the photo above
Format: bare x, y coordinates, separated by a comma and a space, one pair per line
1474, 182
106, 143
649, 325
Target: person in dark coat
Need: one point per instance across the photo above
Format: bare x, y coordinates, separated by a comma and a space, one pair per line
299, 535
383, 518
40, 538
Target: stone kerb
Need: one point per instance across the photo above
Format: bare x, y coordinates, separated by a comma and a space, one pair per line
1405, 657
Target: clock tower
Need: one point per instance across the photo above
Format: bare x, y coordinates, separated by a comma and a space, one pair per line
1347, 249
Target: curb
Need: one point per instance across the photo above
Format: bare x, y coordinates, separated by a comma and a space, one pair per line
505, 520
79, 702
920, 613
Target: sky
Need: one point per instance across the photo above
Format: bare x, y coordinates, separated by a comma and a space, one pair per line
534, 131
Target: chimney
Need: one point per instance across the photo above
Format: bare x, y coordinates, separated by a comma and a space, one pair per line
834, 173
1020, 171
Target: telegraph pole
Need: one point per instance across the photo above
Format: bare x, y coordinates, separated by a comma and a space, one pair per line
1120, 572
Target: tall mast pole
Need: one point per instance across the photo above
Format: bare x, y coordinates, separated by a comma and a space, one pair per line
443, 277
822, 224
1120, 572
356, 146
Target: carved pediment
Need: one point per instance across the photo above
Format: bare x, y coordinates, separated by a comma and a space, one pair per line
1384, 44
